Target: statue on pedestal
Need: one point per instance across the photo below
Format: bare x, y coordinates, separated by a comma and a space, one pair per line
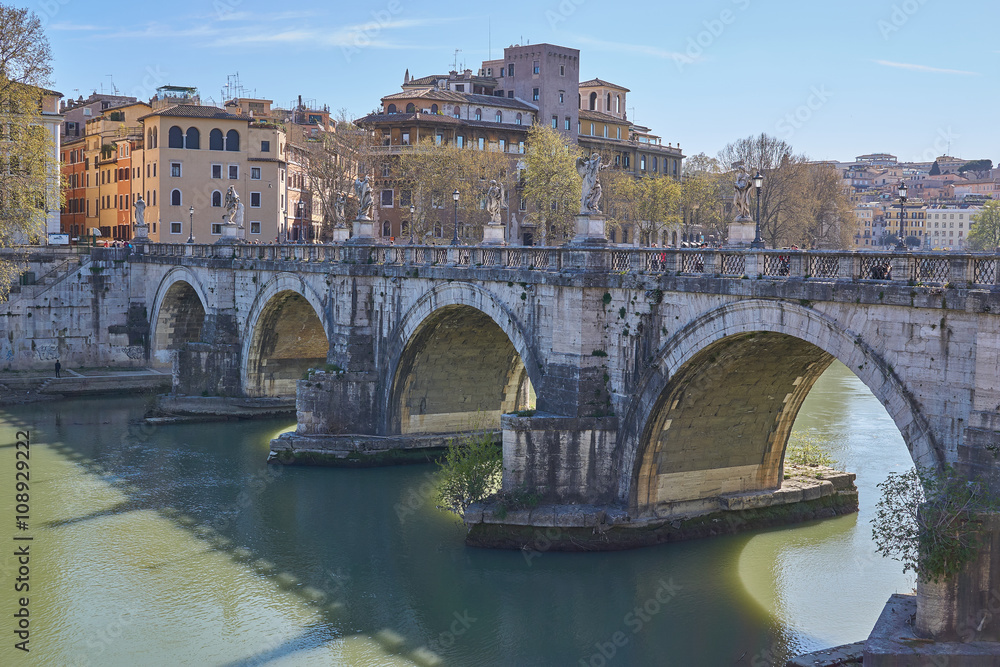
494, 202
741, 197
141, 228
363, 193
234, 208
590, 197
340, 209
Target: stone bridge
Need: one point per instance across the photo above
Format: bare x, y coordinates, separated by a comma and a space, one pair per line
632, 386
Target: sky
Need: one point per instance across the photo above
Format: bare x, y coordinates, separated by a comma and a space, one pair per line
916, 78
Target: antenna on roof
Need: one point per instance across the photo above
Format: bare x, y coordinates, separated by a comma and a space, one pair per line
114, 90
454, 65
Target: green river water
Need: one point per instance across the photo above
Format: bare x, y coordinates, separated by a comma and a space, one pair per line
177, 545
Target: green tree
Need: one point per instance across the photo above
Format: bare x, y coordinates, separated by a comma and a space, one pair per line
471, 471
979, 168
551, 182
985, 231
705, 193
29, 181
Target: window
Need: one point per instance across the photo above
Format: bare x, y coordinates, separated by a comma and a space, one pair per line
608, 109
642, 162
482, 143
499, 116
233, 141
215, 140
535, 67
175, 197
460, 141
386, 229
457, 113
175, 169
555, 122
562, 70
216, 171
175, 138
405, 199
386, 170
175, 228
591, 129
502, 70
438, 140
562, 96
216, 228
459, 87
386, 139
391, 108
410, 108
193, 139
387, 198
510, 69
605, 130
406, 138
234, 172
618, 103
619, 133
510, 94
434, 108
517, 119
503, 145
254, 173
254, 200
534, 94
520, 147
479, 114
255, 228
216, 199
654, 164
265, 146
593, 101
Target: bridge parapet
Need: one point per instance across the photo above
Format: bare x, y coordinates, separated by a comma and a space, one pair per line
935, 269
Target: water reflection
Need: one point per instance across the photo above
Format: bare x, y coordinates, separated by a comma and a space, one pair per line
178, 544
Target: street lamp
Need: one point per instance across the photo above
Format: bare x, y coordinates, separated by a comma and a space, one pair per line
413, 211
191, 234
901, 246
300, 211
758, 182
454, 238
694, 210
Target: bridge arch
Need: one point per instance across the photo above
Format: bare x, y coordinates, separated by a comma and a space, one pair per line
682, 437
286, 333
456, 352
178, 314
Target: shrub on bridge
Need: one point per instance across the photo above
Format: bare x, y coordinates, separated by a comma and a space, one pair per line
470, 471
930, 520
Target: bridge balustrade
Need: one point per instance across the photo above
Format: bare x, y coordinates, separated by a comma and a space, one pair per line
823, 265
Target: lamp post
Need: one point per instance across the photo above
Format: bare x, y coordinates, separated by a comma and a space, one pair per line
758, 182
191, 228
300, 211
454, 238
694, 214
901, 246
284, 228
413, 211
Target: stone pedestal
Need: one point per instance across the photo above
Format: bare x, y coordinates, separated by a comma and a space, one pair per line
741, 233
362, 229
230, 234
493, 234
590, 230
341, 234
141, 234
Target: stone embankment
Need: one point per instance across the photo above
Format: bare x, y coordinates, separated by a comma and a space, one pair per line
18, 388
807, 493
176, 409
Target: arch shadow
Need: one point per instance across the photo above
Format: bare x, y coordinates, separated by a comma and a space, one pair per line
179, 308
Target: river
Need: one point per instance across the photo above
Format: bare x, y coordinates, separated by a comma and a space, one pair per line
177, 545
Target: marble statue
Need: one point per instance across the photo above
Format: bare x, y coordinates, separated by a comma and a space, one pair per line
494, 202
234, 206
340, 207
590, 197
363, 193
140, 212
741, 197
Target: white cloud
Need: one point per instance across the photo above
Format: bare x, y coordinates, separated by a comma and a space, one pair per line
924, 68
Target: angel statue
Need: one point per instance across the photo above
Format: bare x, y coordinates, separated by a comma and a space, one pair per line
494, 202
234, 207
363, 193
741, 198
590, 197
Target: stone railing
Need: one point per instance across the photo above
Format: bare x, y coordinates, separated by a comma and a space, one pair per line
958, 270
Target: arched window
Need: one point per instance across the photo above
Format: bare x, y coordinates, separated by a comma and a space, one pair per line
410, 108
608, 107
232, 140
216, 199
618, 103
391, 109
458, 113
434, 108
499, 116
386, 229
175, 197
175, 138
517, 119
579, 101
215, 140
193, 139
149, 138
593, 101
479, 114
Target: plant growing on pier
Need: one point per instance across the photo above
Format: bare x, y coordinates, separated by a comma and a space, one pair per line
806, 450
470, 471
929, 520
